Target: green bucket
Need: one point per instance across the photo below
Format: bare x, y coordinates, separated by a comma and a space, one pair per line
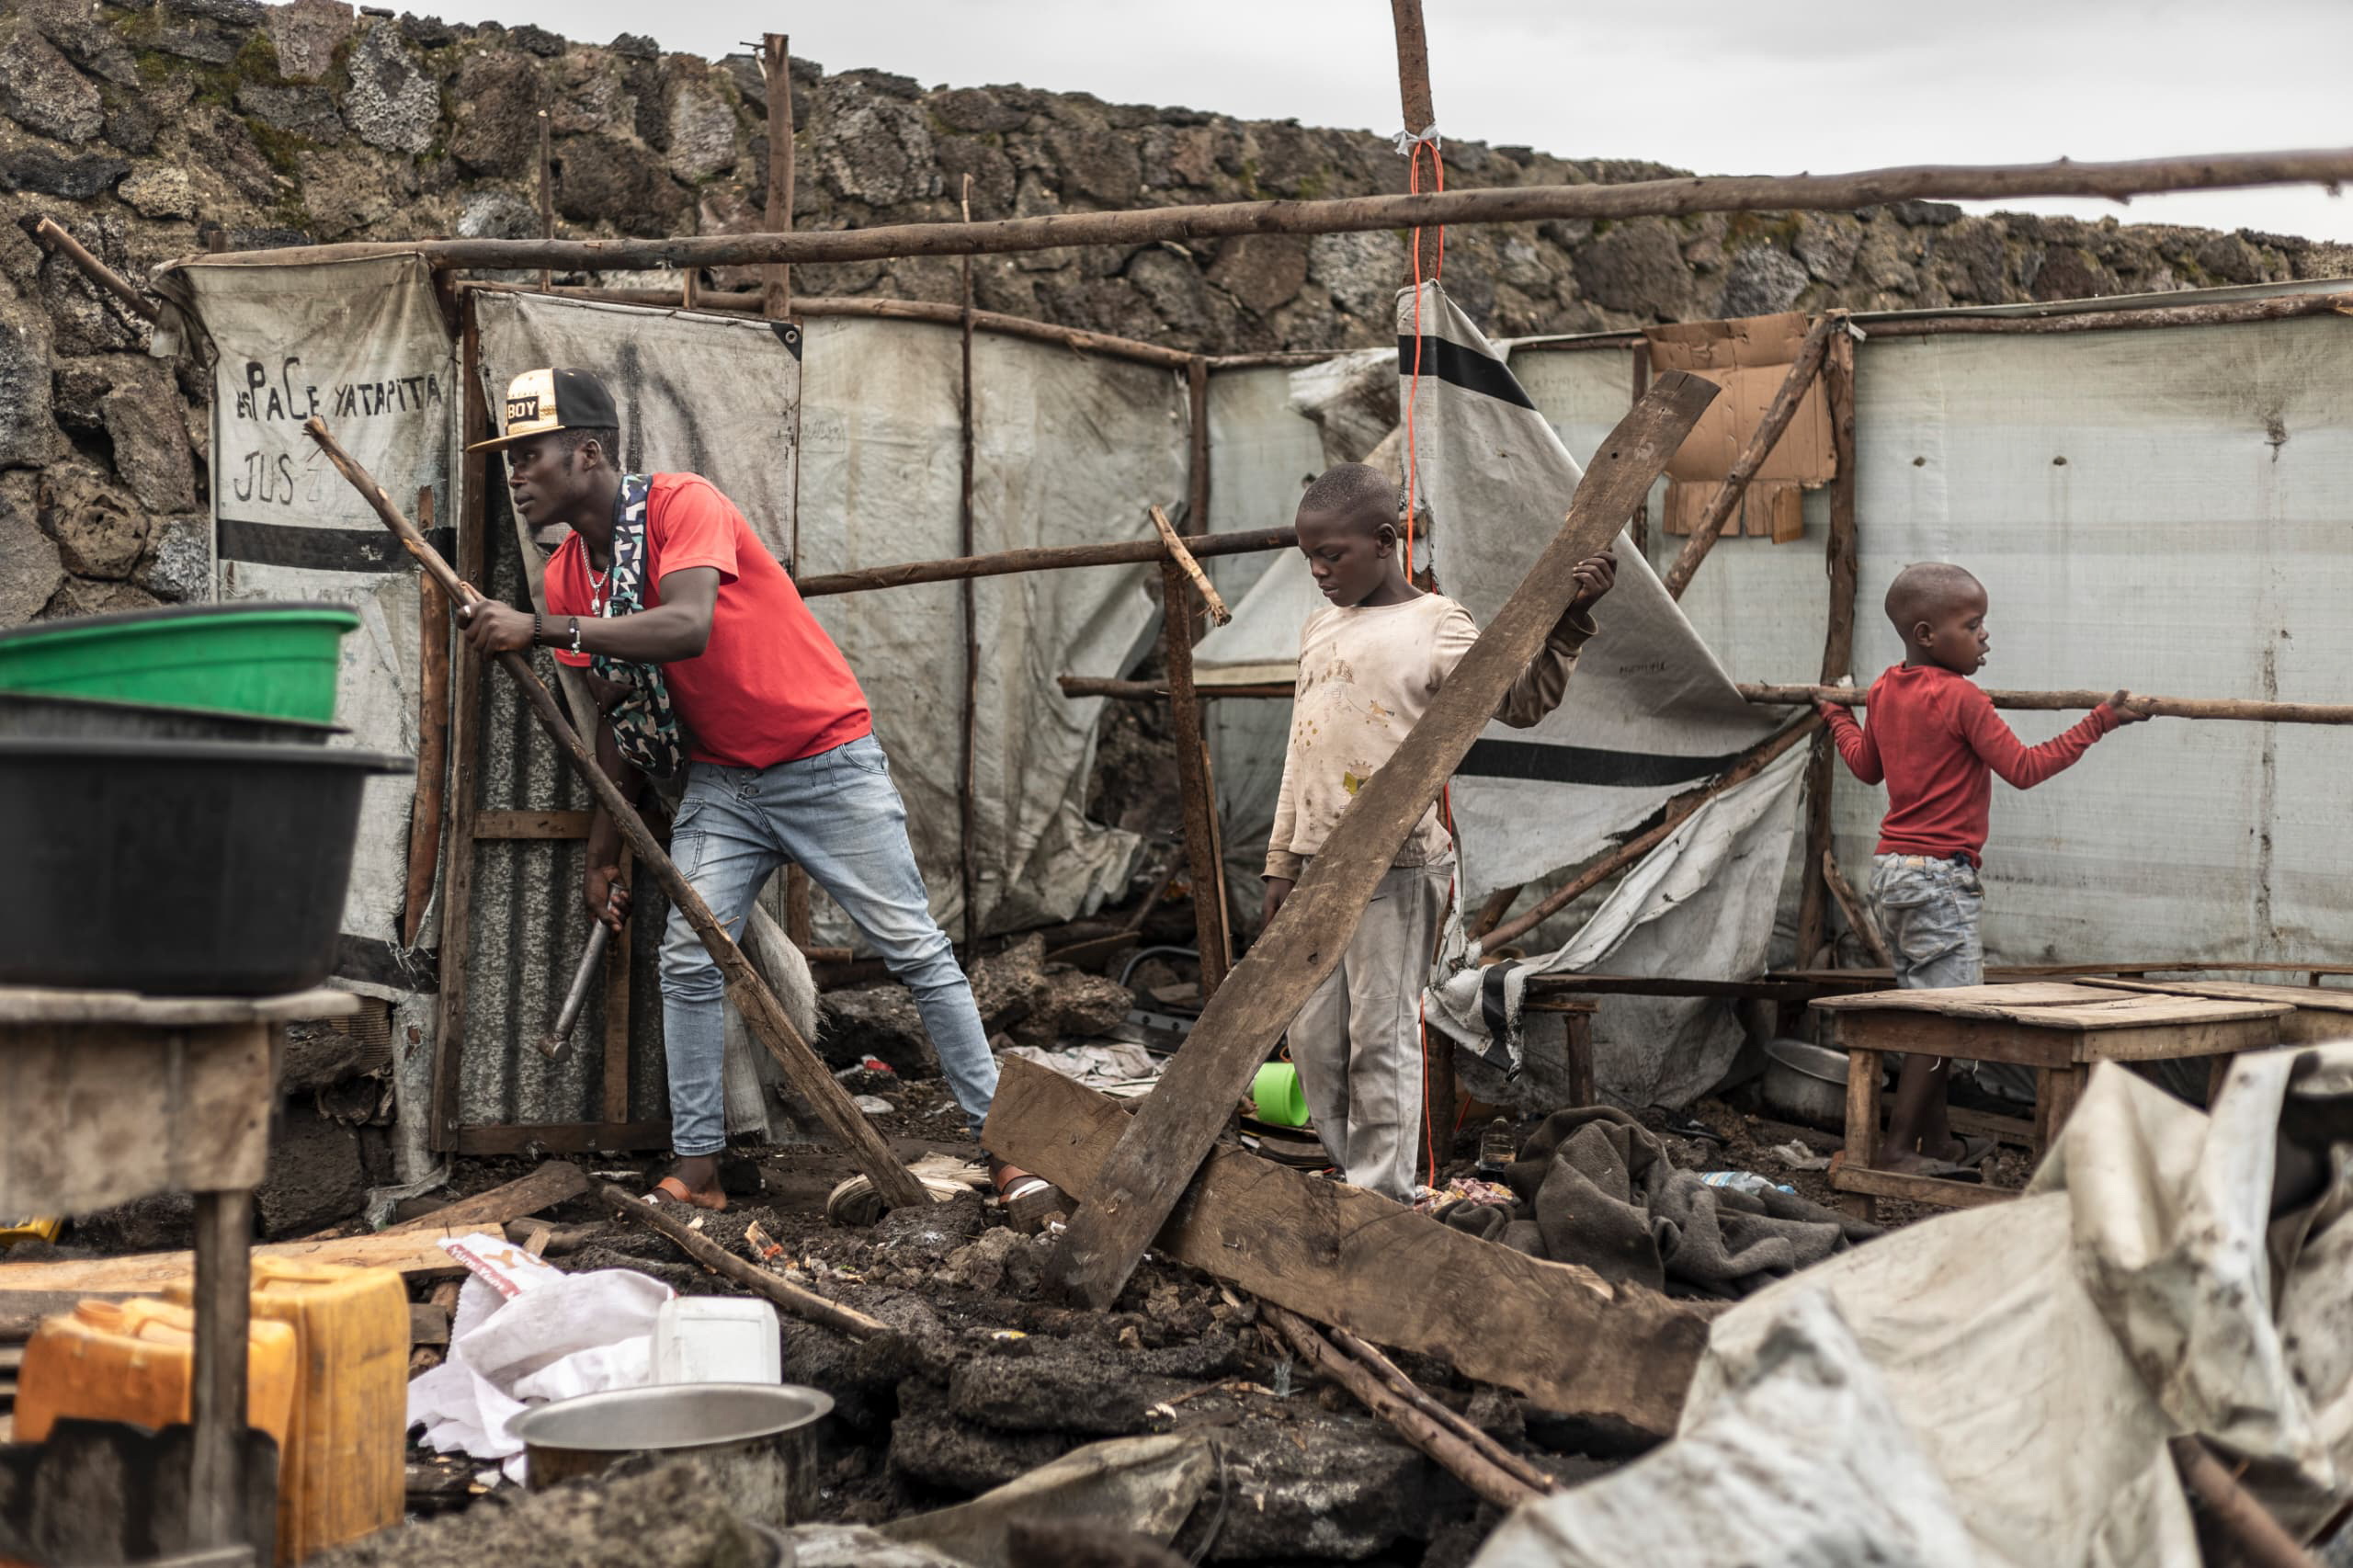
1276, 1092
274, 661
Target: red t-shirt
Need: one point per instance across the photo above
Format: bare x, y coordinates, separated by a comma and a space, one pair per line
1936, 741
769, 687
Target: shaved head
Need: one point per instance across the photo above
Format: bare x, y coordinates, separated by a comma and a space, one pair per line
1928, 592
1356, 491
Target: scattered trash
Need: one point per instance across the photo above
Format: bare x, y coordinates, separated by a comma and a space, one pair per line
1118, 1068
762, 1246
1799, 1157
1748, 1182
1466, 1191
873, 1104
1498, 1148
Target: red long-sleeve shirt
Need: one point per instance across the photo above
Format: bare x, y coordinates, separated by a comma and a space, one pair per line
1936, 741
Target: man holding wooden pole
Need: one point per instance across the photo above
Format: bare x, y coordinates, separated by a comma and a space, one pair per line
703, 657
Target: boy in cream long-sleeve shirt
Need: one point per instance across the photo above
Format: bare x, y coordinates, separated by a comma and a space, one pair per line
1368, 670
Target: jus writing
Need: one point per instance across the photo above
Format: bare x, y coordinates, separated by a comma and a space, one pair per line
269, 476
281, 397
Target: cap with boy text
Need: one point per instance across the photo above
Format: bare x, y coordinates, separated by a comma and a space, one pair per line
538, 401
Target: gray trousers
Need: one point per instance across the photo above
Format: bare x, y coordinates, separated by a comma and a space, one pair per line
1358, 1041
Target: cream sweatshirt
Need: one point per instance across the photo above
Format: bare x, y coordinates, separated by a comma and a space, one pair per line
1367, 673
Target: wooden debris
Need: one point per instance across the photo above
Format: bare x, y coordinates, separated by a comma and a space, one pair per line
1184, 558
1619, 1357
553, 1182
1141, 1182
2265, 1541
428, 1324
800, 1303
410, 1252
1464, 1462
1858, 918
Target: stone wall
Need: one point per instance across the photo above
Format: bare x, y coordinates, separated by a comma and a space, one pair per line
147, 131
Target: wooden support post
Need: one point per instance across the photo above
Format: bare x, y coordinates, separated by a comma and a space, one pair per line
1197, 796
1184, 558
1837, 643
1862, 1126
1754, 761
1858, 918
776, 71
1767, 435
968, 761
797, 924
1638, 528
1157, 1156
465, 746
547, 193
432, 738
763, 1013
217, 1391
1412, 66
52, 236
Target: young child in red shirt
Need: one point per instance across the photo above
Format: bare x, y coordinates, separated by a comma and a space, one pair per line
1936, 741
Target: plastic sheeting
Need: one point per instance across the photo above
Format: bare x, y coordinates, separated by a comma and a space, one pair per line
2019, 1367
363, 346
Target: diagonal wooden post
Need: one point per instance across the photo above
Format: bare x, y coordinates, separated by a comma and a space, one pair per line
1157, 1156
763, 1013
1767, 435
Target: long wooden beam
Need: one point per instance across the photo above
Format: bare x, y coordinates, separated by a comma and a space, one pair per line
763, 1013
1303, 945
1761, 442
1621, 1356
2210, 312
1838, 640
52, 236
1512, 204
1045, 558
2248, 710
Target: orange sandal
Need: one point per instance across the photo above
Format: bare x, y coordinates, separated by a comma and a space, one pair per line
675, 1191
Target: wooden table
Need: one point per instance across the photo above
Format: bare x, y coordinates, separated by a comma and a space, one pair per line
2059, 1029
110, 1096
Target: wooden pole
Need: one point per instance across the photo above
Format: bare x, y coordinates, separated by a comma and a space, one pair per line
1838, 636
2212, 312
1198, 801
1413, 67
1674, 197
1858, 919
1464, 1461
1156, 1156
1157, 691
51, 236
1639, 526
968, 763
1196, 516
432, 738
763, 1013
2247, 709
1184, 558
1678, 813
1411, 1393
775, 69
806, 1305
217, 1384
1047, 558
2265, 1541
546, 193
1761, 442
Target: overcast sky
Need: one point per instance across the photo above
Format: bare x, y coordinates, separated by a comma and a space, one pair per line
1714, 86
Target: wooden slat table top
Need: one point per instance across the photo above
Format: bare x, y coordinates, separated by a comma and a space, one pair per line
2303, 998
38, 1005
2061, 1005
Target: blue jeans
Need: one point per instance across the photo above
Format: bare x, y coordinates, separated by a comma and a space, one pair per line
1930, 911
839, 817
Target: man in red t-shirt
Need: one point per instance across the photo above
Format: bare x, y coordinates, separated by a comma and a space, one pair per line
702, 652
1936, 741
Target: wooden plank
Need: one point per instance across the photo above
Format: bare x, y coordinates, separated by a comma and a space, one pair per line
2303, 997
222, 1300
2015, 1130
2170, 1041
38, 1005
1959, 1001
552, 1183
2148, 1011
467, 675
1303, 943
1863, 1071
147, 1272
1559, 1334
530, 825
564, 1138
427, 1323
1975, 1040
1918, 1188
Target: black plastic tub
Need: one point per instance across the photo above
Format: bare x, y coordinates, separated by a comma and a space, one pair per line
177, 868
37, 716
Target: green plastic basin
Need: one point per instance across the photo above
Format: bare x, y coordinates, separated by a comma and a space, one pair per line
273, 660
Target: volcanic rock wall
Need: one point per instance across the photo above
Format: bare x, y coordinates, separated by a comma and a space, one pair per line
151, 133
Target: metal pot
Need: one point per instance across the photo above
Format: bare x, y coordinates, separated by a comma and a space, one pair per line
752, 1438
1807, 1083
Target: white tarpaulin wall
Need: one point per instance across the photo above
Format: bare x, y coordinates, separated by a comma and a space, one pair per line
1068, 450
362, 345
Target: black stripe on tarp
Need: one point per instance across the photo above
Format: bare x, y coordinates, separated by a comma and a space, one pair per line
1587, 765
377, 963
311, 548
1464, 368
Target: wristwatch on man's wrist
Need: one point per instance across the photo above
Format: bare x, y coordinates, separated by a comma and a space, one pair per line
576, 634
539, 631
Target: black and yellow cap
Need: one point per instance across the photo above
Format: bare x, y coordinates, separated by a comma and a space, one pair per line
541, 401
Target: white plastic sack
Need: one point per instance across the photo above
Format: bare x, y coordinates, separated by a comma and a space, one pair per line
526, 1333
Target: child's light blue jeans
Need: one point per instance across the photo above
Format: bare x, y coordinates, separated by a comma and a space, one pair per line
839, 817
